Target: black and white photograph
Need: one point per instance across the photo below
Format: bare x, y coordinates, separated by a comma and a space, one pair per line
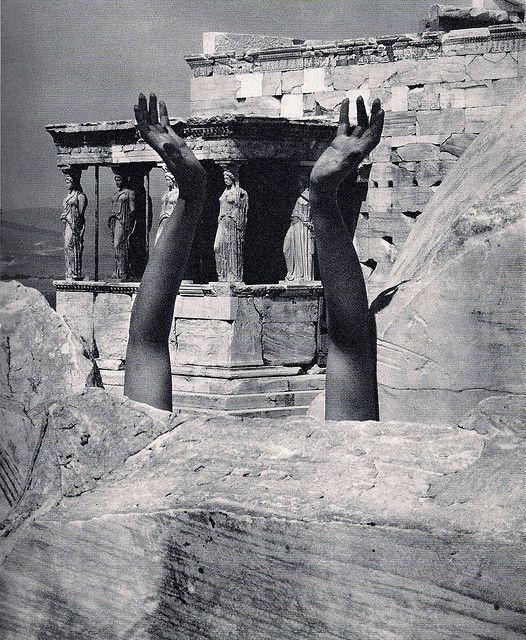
263, 320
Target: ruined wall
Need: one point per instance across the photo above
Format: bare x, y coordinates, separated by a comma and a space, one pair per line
439, 91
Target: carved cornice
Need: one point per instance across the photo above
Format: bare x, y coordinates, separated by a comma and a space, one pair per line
348, 52
224, 137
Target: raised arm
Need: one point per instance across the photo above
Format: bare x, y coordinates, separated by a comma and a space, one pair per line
351, 388
148, 376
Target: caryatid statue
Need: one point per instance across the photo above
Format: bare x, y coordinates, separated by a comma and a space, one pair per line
298, 246
168, 200
122, 221
73, 209
232, 222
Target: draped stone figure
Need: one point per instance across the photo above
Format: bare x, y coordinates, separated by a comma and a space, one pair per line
122, 221
73, 209
168, 200
230, 236
298, 246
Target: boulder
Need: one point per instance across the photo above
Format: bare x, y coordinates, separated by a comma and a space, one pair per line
454, 332
257, 528
41, 360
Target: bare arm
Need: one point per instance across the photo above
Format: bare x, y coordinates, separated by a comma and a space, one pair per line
148, 376
351, 388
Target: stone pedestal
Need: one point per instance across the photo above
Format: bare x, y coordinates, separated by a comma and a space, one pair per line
235, 348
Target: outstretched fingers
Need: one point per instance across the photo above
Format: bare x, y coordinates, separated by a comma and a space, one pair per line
377, 121
343, 124
361, 117
163, 115
154, 118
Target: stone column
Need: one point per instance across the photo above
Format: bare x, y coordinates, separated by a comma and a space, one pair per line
231, 226
130, 221
298, 245
73, 210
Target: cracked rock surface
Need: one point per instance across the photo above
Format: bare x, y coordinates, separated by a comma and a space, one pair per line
41, 360
259, 528
454, 332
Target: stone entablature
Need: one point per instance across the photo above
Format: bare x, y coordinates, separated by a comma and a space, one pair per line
222, 138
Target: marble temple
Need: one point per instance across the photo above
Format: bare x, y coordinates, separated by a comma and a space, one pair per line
249, 327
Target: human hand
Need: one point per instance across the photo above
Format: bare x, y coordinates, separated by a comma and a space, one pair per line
154, 127
350, 146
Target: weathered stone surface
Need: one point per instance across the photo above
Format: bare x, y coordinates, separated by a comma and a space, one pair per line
289, 343
426, 97
292, 106
111, 324
349, 77
492, 66
292, 81
221, 42
41, 359
454, 332
213, 88
314, 80
250, 85
291, 529
271, 85
263, 106
445, 121
457, 143
76, 307
416, 151
477, 118
400, 124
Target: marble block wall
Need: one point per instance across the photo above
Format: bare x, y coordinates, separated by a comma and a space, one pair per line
439, 90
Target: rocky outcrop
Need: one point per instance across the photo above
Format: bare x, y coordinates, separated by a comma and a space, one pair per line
232, 528
41, 360
454, 332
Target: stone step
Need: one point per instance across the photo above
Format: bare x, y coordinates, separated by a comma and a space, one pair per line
273, 412
242, 401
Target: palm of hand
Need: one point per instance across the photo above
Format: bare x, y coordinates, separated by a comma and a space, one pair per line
350, 146
154, 127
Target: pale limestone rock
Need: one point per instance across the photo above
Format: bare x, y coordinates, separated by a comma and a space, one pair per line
218, 42
457, 143
262, 106
250, 85
416, 151
444, 121
400, 123
349, 77
492, 66
213, 88
426, 97
292, 81
282, 529
477, 118
289, 342
271, 85
77, 310
454, 334
314, 80
399, 98
41, 359
292, 106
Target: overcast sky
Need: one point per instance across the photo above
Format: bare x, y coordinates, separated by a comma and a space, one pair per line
86, 60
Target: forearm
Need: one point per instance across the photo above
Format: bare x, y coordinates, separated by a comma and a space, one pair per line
341, 271
153, 309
